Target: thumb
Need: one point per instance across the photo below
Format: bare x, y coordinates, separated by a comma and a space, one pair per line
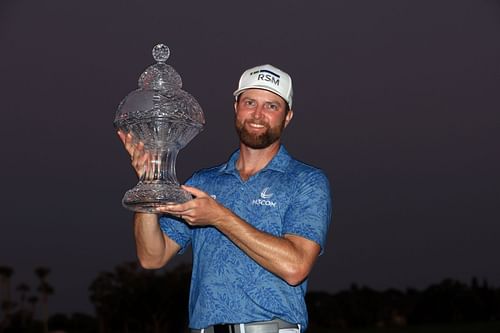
194, 191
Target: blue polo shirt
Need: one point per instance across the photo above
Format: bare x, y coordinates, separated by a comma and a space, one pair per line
227, 286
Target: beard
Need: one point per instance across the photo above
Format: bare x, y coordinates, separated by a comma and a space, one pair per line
259, 141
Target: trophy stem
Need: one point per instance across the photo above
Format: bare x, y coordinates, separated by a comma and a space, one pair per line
161, 166
158, 185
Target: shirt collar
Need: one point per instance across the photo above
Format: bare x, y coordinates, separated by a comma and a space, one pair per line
278, 163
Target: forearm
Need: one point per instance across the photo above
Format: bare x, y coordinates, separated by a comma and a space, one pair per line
150, 241
289, 257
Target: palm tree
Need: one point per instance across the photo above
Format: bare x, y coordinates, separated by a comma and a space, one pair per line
32, 300
5, 274
45, 290
42, 273
23, 289
5, 301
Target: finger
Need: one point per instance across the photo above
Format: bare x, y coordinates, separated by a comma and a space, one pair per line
139, 157
126, 139
194, 191
138, 151
144, 159
181, 208
147, 166
174, 210
122, 136
161, 209
129, 144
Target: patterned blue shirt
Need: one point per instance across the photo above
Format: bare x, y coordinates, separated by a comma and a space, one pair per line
227, 286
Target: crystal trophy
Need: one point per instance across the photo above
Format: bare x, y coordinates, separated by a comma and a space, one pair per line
165, 118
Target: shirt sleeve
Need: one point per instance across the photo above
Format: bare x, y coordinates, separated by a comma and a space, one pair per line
310, 209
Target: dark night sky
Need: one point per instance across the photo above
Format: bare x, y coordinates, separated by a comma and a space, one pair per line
398, 101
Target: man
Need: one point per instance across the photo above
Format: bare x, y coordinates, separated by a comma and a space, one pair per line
256, 224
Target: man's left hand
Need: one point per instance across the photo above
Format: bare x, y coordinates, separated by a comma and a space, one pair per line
201, 211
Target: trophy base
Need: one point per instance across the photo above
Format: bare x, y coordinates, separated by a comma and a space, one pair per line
146, 197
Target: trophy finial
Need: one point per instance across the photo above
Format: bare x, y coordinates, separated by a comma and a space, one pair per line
161, 52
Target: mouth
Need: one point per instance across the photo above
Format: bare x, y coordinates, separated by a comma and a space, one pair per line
256, 125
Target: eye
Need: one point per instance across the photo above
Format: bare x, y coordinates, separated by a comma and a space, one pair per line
272, 106
249, 103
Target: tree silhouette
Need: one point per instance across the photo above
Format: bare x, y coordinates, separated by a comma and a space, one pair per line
449, 301
132, 299
32, 300
45, 290
5, 275
6, 303
23, 290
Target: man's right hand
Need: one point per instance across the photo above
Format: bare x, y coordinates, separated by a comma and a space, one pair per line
139, 157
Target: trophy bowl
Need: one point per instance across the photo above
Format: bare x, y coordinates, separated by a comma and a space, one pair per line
165, 119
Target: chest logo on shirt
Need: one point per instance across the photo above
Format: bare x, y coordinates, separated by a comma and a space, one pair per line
264, 194
264, 199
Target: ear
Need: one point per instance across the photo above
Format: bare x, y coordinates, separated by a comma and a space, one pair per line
235, 107
288, 117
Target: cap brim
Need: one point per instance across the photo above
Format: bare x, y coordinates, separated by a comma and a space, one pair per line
239, 91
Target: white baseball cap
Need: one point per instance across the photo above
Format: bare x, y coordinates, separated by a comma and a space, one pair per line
269, 78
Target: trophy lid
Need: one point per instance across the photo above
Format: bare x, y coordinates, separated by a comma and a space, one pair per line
160, 96
160, 76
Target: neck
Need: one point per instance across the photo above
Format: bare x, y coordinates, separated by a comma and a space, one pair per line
253, 160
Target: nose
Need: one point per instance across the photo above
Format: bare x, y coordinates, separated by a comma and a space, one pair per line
258, 111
